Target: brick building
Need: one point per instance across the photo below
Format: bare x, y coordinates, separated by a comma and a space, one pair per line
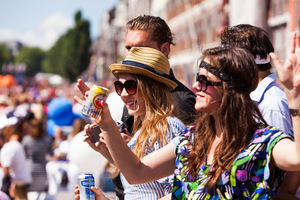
196, 25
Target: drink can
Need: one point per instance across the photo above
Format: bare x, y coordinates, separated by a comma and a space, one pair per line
121, 126
85, 182
92, 106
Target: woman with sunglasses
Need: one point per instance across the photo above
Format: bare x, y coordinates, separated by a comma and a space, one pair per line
144, 87
226, 155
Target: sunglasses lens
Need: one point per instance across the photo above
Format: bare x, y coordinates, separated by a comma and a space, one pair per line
202, 82
118, 87
131, 86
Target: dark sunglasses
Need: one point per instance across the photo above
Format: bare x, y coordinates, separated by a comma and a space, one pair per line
129, 85
203, 82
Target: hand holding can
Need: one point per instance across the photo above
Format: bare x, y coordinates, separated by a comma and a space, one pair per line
92, 107
86, 181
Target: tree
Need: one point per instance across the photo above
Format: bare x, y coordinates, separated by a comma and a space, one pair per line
70, 55
33, 58
5, 56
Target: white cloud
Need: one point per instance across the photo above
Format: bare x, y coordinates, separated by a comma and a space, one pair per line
6, 34
57, 21
44, 35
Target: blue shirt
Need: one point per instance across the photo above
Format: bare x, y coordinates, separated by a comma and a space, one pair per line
272, 103
155, 189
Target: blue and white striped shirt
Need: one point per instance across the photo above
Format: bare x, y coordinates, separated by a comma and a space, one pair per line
156, 189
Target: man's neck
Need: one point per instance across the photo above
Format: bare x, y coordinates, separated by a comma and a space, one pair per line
263, 74
14, 137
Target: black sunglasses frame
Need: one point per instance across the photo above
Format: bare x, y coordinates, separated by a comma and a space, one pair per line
203, 79
215, 71
128, 85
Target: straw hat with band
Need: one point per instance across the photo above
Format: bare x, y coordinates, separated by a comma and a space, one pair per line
148, 62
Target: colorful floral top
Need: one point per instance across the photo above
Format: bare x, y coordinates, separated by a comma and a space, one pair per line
249, 177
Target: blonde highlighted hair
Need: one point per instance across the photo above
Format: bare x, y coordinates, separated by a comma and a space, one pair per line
159, 104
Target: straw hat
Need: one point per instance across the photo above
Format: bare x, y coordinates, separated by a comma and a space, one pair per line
148, 62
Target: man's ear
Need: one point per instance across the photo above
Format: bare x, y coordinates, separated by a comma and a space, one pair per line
165, 48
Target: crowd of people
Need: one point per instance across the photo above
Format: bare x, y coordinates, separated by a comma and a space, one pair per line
226, 140
34, 152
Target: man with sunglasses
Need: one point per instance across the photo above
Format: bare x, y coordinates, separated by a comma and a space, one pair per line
268, 95
153, 32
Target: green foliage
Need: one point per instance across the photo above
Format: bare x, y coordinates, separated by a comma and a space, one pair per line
70, 55
5, 56
33, 58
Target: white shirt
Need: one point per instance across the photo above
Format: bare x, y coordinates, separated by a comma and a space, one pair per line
272, 103
13, 156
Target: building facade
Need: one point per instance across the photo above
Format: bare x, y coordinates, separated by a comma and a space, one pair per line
196, 25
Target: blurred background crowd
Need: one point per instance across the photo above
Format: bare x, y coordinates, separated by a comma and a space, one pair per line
39, 140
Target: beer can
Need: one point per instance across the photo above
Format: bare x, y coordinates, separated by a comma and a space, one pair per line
92, 106
85, 182
121, 126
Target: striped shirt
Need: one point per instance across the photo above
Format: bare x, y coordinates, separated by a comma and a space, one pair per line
155, 189
36, 151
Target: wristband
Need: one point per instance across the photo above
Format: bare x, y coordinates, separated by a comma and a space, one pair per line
294, 112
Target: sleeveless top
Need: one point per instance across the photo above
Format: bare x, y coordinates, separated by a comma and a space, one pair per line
159, 188
248, 178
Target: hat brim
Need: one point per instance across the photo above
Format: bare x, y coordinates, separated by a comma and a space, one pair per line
117, 69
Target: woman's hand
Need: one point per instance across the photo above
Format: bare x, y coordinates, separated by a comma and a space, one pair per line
289, 75
98, 193
289, 72
98, 146
82, 86
105, 120
126, 137
77, 193
84, 89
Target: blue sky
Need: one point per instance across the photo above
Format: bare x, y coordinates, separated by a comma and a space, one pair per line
41, 22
